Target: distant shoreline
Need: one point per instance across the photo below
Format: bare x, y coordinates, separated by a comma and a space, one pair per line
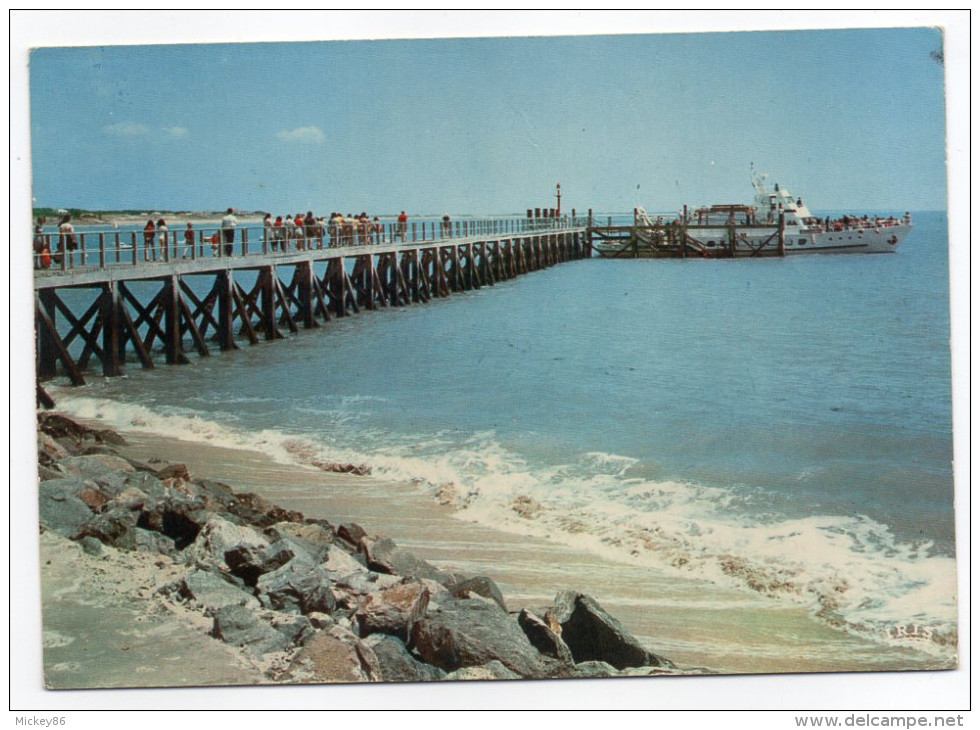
130, 219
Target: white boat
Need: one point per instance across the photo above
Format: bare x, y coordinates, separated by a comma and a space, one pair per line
754, 229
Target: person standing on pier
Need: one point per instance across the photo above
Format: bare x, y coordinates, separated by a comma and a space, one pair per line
278, 232
300, 231
188, 240
267, 231
149, 241
402, 225
163, 237
310, 226
228, 225
42, 246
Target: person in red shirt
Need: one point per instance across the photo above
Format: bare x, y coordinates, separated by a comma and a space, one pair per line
188, 240
300, 231
402, 225
149, 241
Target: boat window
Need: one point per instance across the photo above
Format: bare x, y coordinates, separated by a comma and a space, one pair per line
802, 241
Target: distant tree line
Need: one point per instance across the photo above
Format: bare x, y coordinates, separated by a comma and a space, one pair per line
83, 213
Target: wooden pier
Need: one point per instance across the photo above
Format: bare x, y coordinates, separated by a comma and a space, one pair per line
175, 308
673, 239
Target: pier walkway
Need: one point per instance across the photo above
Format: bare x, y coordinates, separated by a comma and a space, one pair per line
110, 304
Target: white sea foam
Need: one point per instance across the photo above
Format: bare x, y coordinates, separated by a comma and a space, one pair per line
848, 571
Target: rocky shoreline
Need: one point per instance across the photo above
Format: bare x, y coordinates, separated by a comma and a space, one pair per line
302, 600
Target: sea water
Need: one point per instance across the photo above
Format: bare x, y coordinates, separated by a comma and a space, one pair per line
776, 427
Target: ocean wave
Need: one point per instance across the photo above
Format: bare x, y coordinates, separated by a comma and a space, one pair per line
848, 571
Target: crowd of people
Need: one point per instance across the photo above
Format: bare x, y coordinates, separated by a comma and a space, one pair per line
67, 242
306, 232
300, 232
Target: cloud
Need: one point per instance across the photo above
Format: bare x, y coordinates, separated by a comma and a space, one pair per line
309, 134
175, 131
126, 129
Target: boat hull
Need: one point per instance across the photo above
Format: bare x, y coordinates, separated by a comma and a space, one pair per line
765, 241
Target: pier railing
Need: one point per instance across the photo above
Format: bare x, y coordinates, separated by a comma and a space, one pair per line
100, 249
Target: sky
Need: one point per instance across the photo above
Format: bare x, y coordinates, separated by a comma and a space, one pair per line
848, 119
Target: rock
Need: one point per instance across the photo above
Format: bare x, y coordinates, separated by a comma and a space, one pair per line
340, 563
212, 591
179, 520
91, 546
543, 638
96, 466
351, 533
60, 510
352, 590
340, 468
297, 587
49, 450
242, 627
220, 537
396, 663
591, 669
320, 620
479, 586
593, 634
335, 655
490, 670
174, 471
384, 556
147, 541
261, 512
393, 610
100, 449
133, 499
116, 527
312, 551
472, 632
53, 472
93, 498
58, 426
319, 533
297, 629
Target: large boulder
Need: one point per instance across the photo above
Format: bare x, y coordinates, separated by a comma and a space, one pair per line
396, 663
297, 587
472, 632
60, 509
213, 591
98, 466
220, 538
393, 610
334, 655
339, 563
259, 511
543, 638
384, 556
119, 526
262, 633
49, 451
351, 533
65, 430
594, 635
477, 586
